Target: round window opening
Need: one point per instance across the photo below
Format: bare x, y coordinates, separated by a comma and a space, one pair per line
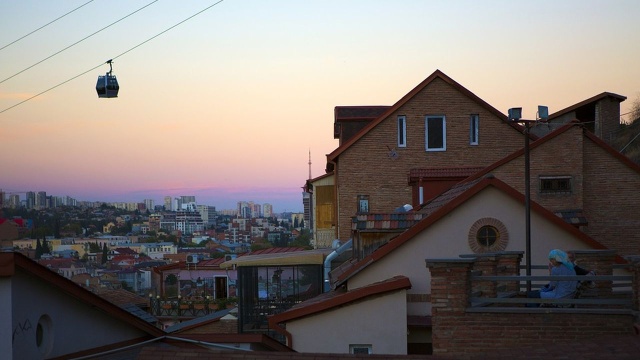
488, 235
44, 335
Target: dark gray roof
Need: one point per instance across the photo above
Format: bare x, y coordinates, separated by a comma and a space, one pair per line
198, 320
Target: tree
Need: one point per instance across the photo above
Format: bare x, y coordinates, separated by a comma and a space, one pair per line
45, 246
295, 222
302, 223
303, 240
38, 249
105, 253
94, 247
635, 110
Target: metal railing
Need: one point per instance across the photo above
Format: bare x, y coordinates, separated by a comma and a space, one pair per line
601, 299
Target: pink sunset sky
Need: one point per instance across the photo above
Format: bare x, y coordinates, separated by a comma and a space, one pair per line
227, 105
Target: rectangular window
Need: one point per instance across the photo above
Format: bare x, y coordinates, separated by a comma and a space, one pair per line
555, 184
402, 131
363, 203
360, 349
435, 133
474, 125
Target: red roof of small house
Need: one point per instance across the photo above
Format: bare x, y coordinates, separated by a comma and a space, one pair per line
338, 298
125, 251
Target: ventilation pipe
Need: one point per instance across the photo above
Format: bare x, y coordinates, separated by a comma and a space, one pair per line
339, 249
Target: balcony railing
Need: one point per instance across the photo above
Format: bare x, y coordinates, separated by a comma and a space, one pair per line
181, 308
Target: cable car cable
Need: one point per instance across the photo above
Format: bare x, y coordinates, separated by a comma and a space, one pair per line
95, 67
45, 25
75, 43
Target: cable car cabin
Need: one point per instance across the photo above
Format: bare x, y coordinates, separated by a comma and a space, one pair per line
107, 86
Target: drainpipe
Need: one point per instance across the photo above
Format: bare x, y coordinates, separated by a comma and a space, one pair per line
327, 262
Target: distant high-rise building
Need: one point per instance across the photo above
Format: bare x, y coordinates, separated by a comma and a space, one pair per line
14, 201
149, 204
256, 211
243, 210
267, 210
167, 203
41, 200
187, 199
31, 199
208, 214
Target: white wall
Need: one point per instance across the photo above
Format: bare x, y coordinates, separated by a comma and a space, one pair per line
448, 238
379, 321
6, 325
75, 325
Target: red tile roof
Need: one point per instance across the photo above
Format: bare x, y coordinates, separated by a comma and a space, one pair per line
364, 112
451, 172
340, 297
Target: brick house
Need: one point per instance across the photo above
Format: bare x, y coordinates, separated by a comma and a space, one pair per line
447, 227
438, 124
576, 175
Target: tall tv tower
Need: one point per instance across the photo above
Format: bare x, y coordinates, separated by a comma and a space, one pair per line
309, 164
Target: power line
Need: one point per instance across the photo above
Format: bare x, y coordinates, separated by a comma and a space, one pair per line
77, 42
45, 25
95, 67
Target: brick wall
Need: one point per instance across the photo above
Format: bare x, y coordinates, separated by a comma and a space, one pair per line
367, 169
560, 156
612, 195
607, 118
457, 333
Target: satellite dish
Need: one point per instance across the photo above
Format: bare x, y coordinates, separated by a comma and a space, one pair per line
543, 112
515, 114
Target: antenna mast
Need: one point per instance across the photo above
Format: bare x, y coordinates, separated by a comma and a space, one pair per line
309, 164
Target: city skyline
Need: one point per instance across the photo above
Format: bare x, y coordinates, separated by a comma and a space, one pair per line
156, 202
228, 104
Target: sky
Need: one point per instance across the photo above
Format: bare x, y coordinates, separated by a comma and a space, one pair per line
228, 105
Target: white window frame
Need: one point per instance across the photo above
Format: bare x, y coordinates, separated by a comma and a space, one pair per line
474, 126
402, 131
444, 132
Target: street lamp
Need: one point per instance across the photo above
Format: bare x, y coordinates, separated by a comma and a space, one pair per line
515, 115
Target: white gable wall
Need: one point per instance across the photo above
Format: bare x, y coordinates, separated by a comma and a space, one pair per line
6, 329
75, 325
378, 321
448, 238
